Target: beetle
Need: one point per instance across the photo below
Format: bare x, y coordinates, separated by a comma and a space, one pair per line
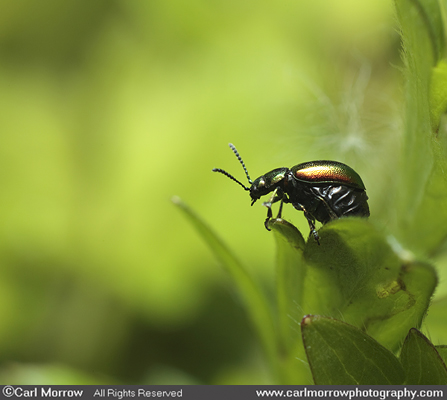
324, 190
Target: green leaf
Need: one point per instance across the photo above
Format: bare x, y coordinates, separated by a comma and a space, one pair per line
436, 321
255, 301
290, 277
355, 275
438, 93
442, 351
429, 21
421, 362
421, 189
341, 354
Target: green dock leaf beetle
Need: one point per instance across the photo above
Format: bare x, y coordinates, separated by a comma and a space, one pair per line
323, 190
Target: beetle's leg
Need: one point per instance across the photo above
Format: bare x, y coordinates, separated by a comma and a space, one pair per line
280, 209
310, 221
277, 195
269, 216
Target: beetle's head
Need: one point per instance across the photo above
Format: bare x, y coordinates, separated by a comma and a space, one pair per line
267, 183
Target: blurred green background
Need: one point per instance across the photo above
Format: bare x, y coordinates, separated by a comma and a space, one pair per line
108, 109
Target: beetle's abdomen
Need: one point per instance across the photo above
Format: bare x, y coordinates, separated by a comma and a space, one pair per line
340, 201
327, 171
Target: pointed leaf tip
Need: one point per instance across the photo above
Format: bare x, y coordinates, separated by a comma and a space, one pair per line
421, 361
341, 354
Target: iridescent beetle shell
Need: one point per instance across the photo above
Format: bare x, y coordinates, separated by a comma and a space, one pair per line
327, 171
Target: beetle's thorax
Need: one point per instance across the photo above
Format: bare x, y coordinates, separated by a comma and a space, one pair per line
267, 183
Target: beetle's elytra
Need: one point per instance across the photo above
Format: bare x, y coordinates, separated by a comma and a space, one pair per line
323, 190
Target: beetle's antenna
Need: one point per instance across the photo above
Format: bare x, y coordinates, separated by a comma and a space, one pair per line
230, 176
240, 160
